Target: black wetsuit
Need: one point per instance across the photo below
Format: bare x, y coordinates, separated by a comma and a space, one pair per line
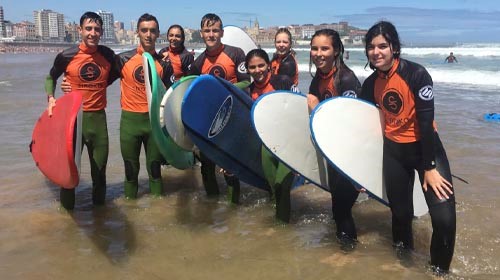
405, 96
344, 194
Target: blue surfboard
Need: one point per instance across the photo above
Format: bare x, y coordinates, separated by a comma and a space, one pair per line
492, 117
216, 116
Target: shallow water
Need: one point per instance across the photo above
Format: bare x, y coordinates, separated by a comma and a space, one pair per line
185, 235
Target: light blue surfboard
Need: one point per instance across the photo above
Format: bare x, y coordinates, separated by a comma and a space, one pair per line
216, 115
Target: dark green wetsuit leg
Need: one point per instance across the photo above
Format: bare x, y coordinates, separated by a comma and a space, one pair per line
95, 137
208, 175
280, 178
135, 130
130, 146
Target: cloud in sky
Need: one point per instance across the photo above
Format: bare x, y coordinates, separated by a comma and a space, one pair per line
434, 25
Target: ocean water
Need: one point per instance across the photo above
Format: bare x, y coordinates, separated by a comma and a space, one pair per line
185, 235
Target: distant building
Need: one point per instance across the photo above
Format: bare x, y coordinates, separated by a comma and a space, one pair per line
49, 26
108, 27
24, 31
8, 29
72, 32
2, 25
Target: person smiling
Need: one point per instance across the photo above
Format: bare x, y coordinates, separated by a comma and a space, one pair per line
284, 62
334, 78
176, 53
135, 127
403, 90
88, 68
226, 62
278, 176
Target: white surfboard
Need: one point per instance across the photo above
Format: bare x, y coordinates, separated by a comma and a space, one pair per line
236, 37
349, 132
281, 119
170, 113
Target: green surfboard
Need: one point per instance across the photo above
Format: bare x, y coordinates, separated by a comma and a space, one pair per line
173, 154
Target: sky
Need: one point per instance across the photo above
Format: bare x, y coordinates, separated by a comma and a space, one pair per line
418, 22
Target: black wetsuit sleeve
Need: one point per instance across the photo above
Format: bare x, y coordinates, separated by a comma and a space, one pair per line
195, 67
186, 60
367, 90
314, 87
349, 84
59, 67
168, 71
241, 70
422, 88
110, 56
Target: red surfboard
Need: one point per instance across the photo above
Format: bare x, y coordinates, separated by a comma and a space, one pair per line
57, 140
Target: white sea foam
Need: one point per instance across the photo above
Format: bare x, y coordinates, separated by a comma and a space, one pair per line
455, 76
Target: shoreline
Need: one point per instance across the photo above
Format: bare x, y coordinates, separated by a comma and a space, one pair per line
39, 47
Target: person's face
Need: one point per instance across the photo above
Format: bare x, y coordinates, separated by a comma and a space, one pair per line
90, 32
380, 53
212, 34
282, 43
174, 37
258, 68
148, 32
322, 53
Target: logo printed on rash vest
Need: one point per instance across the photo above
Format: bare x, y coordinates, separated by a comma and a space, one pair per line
139, 74
218, 71
426, 93
393, 102
90, 72
221, 118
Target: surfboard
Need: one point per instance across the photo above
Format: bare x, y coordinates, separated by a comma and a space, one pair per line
236, 37
216, 115
349, 133
281, 120
56, 142
173, 154
170, 113
492, 117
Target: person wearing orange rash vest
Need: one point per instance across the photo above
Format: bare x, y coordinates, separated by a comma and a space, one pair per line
135, 127
403, 90
227, 62
279, 177
176, 54
334, 78
283, 61
87, 68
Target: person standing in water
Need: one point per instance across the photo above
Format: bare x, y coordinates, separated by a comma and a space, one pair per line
403, 90
135, 126
88, 68
334, 78
279, 177
227, 62
451, 58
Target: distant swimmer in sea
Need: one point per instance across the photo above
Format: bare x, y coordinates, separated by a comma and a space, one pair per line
451, 58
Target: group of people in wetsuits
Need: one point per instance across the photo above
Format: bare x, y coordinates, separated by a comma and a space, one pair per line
403, 90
